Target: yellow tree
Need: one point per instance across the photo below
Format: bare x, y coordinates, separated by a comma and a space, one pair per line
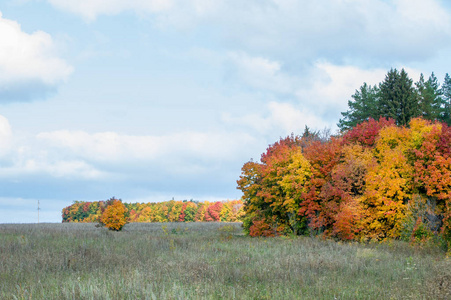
145, 215
272, 189
388, 184
114, 215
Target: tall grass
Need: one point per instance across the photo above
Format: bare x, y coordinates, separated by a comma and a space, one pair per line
208, 261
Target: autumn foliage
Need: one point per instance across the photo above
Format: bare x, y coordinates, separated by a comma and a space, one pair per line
168, 211
366, 184
114, 217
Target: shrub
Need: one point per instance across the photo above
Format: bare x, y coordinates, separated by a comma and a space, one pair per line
114, 216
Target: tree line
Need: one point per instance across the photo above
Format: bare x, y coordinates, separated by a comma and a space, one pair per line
168, 211
398, 98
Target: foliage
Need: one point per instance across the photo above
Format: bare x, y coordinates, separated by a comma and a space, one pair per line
169, 211
273, 189
114, 215
377, 181
213, 212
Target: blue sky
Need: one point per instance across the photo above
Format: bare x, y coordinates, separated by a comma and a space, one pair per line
147, 100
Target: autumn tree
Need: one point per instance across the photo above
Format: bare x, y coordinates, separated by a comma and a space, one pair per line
432, 170
322, 158
213, 212
114, 217
273, 188
380, 180
169, 211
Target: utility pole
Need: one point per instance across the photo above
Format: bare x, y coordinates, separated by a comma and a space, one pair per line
38, 211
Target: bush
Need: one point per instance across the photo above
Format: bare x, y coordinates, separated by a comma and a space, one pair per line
114, 216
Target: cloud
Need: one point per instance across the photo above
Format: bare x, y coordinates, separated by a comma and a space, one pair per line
90, 9
5, 136
69, 169
29, 67
25, 156
332, 85
190, 159
314, 99
260, 73
112, 147
104, 156
278, 119
321, 89
353, 30
432, 13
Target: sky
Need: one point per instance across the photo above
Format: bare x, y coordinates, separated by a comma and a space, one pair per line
150, 100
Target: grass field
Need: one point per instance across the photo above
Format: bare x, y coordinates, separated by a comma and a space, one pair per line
208, 261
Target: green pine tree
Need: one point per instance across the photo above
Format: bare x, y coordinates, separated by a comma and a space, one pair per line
361, 108
397, 97
429, 98
446, 100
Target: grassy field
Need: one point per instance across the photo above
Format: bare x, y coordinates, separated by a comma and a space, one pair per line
208, 261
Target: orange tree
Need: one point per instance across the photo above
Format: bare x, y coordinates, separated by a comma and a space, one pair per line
114, 215
432, 175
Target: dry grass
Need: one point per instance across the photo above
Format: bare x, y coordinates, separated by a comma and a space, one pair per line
208, 261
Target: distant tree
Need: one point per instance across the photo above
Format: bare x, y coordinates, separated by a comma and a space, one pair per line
213, 212
397, 97
446, 100
114, 216
361, 108
190, 211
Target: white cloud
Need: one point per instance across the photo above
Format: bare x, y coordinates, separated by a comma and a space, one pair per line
72, 169
278, 119
23, 156
261, 73
333, 84
426, 12
90, 9
28, 61
372, 29
323, 89
5, 136
114, 148
82, 155
316, 99
294, 120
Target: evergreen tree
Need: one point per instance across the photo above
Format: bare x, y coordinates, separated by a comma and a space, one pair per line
446, 100
361, 108
397, 97
429, 98
435, 93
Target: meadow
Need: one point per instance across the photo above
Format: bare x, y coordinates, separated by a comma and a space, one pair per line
208, 261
